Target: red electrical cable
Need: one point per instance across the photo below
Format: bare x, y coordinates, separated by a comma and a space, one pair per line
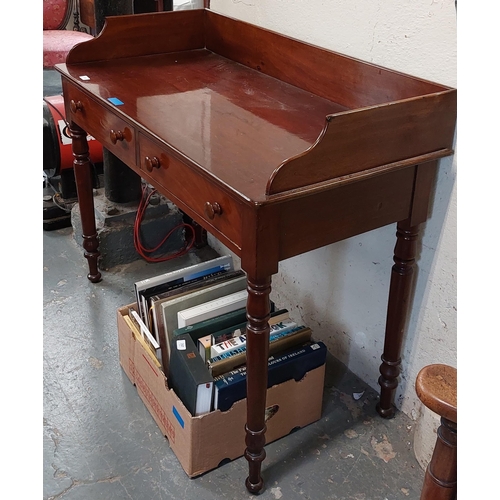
140, 248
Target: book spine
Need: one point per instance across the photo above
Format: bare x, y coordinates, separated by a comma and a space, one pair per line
204, 344
277, 332
138, 336
188, 376
217, 338
146, 334
282, 340
211, 309
239, 329
294, 363
209, 326
171, 288
227, 346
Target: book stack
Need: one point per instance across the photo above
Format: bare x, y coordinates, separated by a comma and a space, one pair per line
192, 322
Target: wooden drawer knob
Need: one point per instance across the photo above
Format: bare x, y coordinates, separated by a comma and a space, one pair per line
151, 162
116, 135
212, 209
75, 106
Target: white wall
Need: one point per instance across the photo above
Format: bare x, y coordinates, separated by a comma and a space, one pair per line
341, 290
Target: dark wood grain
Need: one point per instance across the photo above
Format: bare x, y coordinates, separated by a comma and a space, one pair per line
436, 387
374, 138
273, 145
87, 13
400, 292
346, 80
84, 187
143, 34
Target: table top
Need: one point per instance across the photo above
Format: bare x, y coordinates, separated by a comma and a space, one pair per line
211, 109
260, 121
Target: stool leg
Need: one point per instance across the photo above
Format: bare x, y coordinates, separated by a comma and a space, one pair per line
440, 481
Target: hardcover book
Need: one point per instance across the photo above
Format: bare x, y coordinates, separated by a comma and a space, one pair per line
207, 327
204, 344
223, 322
171, 278
154, 302
228, 345
277, 341
221, 335
212, 308
188, 376
238, 337
139, 338
170, 308
293, 363
145, 333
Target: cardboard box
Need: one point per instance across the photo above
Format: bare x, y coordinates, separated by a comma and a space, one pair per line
202, 443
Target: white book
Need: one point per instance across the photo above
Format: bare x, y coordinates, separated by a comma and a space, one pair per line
183, 274
146, 334
170, 308
227, 345
238, 341
211, 309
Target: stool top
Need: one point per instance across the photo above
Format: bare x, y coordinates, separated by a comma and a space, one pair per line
436, 387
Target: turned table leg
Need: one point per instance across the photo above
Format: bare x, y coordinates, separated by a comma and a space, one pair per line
258, 313
397, 310
84, 188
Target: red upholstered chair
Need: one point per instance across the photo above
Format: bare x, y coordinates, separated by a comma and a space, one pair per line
57, 40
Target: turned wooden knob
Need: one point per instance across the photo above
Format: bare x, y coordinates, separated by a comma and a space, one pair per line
116, 135
151, 163
75, 106
212, 209
436, 387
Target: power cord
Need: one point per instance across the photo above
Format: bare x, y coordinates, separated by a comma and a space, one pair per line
145, 253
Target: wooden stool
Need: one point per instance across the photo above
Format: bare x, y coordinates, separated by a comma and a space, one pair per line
436, 387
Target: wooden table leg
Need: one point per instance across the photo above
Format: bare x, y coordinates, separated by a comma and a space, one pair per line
84, 188
397, 310
258, 313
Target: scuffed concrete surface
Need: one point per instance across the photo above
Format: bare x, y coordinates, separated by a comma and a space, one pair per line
100, 442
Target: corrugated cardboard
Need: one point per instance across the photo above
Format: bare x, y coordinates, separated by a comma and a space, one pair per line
202, 443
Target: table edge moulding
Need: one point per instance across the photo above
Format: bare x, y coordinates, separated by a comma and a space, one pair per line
279, 147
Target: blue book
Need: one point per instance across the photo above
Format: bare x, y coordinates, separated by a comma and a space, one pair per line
292, 363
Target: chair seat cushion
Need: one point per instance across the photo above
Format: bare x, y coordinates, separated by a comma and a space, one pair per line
57, 44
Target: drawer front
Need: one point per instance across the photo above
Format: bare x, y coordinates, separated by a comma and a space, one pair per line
112, 132
213, 206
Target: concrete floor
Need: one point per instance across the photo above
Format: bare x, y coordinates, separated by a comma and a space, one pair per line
100, 441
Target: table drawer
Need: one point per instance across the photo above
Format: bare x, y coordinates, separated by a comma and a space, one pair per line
112, 132
213, 205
